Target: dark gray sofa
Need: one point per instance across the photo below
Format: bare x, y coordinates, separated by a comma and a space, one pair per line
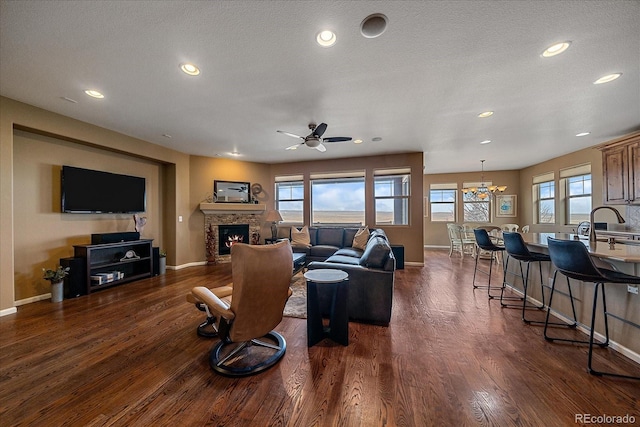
371, 271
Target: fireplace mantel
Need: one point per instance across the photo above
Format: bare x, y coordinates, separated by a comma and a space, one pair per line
232, 208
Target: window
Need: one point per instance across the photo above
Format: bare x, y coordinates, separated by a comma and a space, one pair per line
442, 199
337, 198
578, 198
476, 209
391, 191
290, 198
546, 202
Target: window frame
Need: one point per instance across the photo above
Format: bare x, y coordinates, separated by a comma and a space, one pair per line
403, 200
443, 188
570, 197
337, 177
291, 181
540, 199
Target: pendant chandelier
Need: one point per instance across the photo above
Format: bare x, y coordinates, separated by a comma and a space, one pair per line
484, 191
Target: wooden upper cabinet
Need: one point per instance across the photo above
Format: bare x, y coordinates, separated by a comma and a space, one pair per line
621, 168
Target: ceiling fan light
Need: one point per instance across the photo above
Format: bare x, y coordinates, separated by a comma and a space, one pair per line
312, 142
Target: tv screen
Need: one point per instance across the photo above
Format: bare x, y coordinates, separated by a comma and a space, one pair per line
91, 191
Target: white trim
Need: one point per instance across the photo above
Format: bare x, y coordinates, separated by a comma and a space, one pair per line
414, 264
8, 311
436, 247
187, 265
29, 300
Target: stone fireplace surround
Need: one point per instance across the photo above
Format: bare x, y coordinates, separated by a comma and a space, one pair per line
216, 214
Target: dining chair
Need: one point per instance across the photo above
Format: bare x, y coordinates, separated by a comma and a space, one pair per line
459, 242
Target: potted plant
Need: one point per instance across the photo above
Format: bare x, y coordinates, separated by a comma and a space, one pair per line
162, 262
56, 277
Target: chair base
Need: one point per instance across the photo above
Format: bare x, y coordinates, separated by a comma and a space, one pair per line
237, 360
208, 328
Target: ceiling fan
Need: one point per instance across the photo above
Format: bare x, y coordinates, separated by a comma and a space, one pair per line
314, 139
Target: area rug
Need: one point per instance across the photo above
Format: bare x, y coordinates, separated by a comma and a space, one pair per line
297, 303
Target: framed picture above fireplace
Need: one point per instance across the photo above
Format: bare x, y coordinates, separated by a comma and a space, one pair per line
231, 192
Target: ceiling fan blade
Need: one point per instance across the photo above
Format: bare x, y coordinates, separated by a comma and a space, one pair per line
337, 139
319, 130
321, 148
293, 135
294, 147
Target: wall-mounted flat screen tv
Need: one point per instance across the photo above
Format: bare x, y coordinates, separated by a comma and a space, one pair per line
91, 191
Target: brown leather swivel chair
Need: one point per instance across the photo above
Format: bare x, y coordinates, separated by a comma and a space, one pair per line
260, 290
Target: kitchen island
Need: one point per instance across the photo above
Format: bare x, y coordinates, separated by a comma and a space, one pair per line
620, 302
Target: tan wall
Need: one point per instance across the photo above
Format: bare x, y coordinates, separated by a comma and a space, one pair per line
174, 195
435, 232
410, 236
42, 234
203, 171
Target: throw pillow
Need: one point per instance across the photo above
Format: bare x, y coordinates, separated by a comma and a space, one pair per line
361, 238
300, 237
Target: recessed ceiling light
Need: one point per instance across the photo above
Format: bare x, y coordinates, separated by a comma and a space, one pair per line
326, 38
94, 93
583, 133
376, 139
608, 78
486, 141
357, 141
485, 114
190, 69
556, 49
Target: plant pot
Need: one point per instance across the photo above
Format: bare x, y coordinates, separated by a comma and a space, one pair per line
162, 265
57, 291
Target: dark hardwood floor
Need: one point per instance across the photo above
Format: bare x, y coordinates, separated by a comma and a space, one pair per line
129, 356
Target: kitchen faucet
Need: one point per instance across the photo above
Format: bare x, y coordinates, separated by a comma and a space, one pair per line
592, 231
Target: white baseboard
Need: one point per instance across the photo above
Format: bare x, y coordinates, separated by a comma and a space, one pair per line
29, 300
414, 264
8, 311
189, 264
585, 330
446, 248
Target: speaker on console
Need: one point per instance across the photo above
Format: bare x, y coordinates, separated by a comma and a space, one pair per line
125, 236
156, 260
75, 284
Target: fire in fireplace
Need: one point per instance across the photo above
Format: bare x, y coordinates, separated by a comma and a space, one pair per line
229, 234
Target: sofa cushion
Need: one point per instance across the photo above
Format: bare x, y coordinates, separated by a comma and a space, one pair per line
330, 236
300, 237
378, 232
322, 251
361, 238
349, 234
376, 253
343, 259
352, 252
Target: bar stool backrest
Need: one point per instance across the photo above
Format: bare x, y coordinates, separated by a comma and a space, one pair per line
572, 259
515, 246
484, 241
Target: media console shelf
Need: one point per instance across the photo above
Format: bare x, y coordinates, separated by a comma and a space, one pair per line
112, 264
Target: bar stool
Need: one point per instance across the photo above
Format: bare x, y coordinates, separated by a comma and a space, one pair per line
518, 250
484, 243
573, 260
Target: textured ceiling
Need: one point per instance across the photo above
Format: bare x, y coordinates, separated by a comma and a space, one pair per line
419, 86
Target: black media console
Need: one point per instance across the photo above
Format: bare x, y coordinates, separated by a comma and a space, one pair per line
112, 264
